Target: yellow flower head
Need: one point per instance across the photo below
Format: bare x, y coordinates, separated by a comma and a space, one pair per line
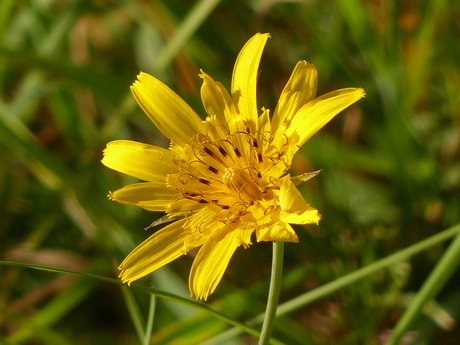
225, 177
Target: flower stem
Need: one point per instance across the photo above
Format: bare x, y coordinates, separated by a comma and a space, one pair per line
273, 293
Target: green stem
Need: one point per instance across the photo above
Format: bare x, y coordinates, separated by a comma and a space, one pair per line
273, 293
149, 324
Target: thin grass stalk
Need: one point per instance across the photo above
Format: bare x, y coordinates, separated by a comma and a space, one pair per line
134, 312
194, 19
444, 269
150, 319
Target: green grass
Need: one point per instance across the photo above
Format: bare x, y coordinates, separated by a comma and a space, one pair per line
379, 260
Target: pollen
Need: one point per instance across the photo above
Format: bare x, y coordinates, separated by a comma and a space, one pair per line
228, 174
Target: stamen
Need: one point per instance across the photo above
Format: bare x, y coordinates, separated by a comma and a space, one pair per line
213, 170
209, 152
202, 138
267, 137
239, 209
222, 151
237, 152
286, 138
259, 157
204, 181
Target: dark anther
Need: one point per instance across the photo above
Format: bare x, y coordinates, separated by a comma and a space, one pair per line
237, 152
208, 151
222, 151
202, 201
259, 157
255, 143
225, 207
206, 182
213, 170
259, 174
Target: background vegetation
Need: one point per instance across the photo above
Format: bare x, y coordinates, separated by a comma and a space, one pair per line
391, 164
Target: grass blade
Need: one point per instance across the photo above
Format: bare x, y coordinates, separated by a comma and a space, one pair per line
444, 269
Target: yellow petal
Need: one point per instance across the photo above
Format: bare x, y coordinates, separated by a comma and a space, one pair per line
216, 99
294, 208
244, 79
152, 196
183, 207
210, 264
243, 235
204, 220
309, 216
264, 129
299, 90
279, 231
143, 161
173, 117
315, 114
159, 249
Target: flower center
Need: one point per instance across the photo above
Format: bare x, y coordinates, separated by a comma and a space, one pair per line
223, 170
242, 184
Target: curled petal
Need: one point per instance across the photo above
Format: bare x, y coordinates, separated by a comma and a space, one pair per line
294, 208
143, 161
279, 231
159, 249
216, 99
299, 90
172, 116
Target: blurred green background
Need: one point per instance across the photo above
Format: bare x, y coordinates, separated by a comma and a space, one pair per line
391, 163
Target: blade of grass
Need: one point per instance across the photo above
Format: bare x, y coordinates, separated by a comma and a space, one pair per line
355, 276
5, 10
418, 67
166, 279
194, 19
149, 290
134, 312
150, 319
56, 309
444, 269
57, 36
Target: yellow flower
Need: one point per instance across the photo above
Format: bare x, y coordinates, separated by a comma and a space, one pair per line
225, 177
